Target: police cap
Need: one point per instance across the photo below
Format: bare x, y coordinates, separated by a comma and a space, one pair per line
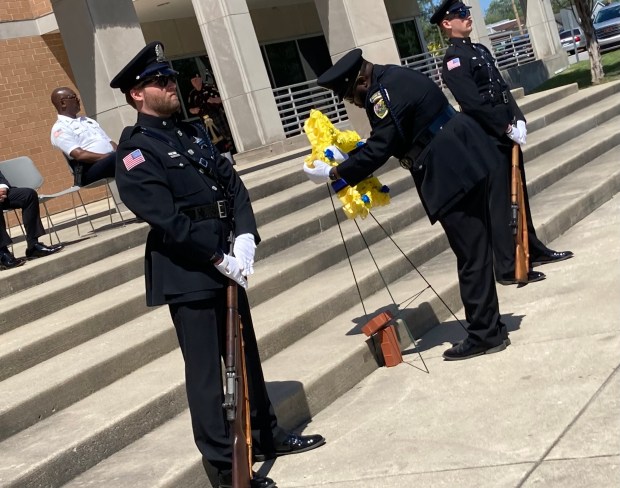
447, 7
150, 61
341, 76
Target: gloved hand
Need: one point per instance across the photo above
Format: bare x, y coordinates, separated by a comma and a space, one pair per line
516, 134
230, 268
521, 126
244, 250
337, 154
319, 174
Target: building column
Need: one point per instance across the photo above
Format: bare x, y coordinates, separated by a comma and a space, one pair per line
364, 24
240, 72
543, 32
100, 38
479, 32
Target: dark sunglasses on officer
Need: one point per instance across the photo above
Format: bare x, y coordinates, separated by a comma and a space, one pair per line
158, 80
461, 13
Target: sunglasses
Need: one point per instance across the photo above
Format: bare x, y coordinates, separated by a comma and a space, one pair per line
159, 80
461, 13
70, 97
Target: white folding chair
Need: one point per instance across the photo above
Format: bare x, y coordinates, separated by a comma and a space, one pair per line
108, 191
22, 172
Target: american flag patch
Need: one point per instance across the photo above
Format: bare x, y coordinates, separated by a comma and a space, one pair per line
133, 159
453, 63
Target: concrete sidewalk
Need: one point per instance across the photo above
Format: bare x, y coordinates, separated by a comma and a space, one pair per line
545, 412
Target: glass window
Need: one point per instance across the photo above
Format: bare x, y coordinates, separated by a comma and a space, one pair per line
407, 39
285, 63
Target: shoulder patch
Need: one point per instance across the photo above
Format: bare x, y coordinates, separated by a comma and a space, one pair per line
453, 63
378, 104
133, 159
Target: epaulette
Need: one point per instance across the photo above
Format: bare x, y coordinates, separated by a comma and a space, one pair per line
128, 132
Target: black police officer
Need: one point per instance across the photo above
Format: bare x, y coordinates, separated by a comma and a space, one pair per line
470, 73
171, 176
449, 157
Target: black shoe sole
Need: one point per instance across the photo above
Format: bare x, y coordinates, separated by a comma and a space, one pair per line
521, 283
260, 458
20, 262
498, 348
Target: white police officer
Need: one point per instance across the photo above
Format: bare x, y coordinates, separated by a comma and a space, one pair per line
171, 176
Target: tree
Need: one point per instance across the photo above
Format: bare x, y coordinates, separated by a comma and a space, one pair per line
583, 9
502, 10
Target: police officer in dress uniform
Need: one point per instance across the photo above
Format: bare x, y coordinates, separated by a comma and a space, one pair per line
449, 157
171, 176
470, 72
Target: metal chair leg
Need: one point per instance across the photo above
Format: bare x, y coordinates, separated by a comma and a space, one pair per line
50, 225
86, 212
118, 210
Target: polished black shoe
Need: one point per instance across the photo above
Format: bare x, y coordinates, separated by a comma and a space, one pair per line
532, 277
255, 482
8, 261
469, 349
550, 256
292, 444
41, 250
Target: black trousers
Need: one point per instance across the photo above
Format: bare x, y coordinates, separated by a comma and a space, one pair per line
104, 168
201, 330
499, 206
468, 230
28, 200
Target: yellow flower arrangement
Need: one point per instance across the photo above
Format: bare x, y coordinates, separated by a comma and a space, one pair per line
356, 200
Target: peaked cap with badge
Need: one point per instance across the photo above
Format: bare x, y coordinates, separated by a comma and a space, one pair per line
447, 7
341, 76
150, 61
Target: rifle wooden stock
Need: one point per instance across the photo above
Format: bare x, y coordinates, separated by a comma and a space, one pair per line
236, 402
519, 219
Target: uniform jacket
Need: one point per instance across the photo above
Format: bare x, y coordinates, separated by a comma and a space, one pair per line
457, 158
470, 72
178, 250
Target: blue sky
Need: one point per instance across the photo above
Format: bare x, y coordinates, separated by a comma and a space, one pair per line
484, 4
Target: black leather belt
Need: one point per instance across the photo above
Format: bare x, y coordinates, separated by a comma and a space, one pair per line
424, 138
500, 98
218, 210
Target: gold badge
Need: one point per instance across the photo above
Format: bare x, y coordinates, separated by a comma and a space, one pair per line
159, 53
378, 104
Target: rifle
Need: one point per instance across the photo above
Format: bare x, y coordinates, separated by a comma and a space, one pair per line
236, 400
518, 220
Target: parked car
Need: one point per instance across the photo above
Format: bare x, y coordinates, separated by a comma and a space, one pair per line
607, 25
571, 39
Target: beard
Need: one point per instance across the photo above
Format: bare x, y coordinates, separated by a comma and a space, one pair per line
161, 104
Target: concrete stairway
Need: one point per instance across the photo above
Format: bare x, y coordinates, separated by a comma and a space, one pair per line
91, 381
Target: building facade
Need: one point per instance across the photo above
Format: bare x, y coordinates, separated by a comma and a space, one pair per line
262, 55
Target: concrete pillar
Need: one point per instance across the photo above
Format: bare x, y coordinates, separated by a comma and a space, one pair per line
240, 72
349, 24
479, 31
543, 29
100, 38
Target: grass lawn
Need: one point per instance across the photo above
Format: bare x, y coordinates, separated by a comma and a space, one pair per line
580, 72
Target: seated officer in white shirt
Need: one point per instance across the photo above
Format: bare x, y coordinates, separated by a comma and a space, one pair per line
89, 150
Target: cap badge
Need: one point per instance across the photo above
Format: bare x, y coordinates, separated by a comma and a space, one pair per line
159, 52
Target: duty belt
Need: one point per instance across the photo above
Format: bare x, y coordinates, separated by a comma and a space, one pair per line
217, 210
424, 138
500, 98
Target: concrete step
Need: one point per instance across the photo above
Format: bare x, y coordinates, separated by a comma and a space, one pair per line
538, 100
332, 359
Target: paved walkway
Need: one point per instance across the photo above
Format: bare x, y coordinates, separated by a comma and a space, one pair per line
545, 412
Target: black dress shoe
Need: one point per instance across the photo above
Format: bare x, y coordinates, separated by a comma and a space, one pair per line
255, 482
469, 349
532, 277
8, 261
550, 256
41, 250
292, 444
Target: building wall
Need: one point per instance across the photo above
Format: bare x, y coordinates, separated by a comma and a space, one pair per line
292, 21
181, 37
30, 68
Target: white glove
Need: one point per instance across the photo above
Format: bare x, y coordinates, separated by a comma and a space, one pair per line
244, 250
521, 126
338, 155
230, 268
516, 134
319, 174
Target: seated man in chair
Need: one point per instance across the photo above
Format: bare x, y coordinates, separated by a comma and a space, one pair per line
89, 151
26, 199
